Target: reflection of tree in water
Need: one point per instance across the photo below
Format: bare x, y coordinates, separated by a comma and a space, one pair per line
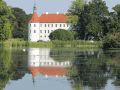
13, 65
62, 54
5, 67
95, 70
19, 58
114, 63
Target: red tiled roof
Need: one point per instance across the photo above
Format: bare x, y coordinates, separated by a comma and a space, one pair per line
35, 18
48, 18
50, 71
53, 18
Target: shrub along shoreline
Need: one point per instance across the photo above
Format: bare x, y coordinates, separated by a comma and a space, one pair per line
52, 44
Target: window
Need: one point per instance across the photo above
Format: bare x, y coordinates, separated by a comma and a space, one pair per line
45, 36
34, 25
56, 25
34, 31
40, 31
51, 25
40, 25
60, 25
45, 31
45, 25
48, 25
30, 24
64, 25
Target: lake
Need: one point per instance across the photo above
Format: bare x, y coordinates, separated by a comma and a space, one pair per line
59, 69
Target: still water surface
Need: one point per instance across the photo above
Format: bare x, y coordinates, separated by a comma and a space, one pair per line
59, 69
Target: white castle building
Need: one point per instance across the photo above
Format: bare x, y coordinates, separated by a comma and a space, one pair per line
40, 27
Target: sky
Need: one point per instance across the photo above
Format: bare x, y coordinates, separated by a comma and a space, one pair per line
51, 6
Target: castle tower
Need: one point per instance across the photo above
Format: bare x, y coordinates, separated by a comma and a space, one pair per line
33, 26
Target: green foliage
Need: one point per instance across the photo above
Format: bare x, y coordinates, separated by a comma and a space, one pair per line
90, 19
20, 23
61, 34
117, 9
76, 7
5, 70
67, 44
14, 43
111, 41
5, 21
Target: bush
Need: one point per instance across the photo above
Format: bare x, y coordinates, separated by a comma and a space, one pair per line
111, 41
61, 34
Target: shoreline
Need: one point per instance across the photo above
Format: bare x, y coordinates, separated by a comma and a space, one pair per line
53, 44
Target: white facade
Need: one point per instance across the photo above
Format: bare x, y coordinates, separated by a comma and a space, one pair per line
41, 31
41, 58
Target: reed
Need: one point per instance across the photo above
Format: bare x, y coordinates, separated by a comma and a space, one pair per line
51, 44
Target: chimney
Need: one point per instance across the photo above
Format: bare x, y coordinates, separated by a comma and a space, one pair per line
57, 13
46, 13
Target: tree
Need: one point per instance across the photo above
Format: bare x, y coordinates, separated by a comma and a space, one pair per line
61, 34
97, 13
6, 16
20, 24
87, 15
74, 15
116, 18
117, 9
111, 41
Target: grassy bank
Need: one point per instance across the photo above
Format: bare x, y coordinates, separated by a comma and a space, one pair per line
14, 43
52, 44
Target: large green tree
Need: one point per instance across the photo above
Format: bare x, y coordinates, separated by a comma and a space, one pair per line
74, 14
20, 24
6, 17
111, 40
90, 18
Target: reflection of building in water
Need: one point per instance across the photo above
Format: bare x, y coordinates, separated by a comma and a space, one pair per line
40, 62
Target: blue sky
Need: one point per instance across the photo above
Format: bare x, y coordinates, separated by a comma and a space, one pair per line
51, 6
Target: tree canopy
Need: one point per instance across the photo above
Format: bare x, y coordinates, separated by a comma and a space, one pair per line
6, 18
93, 21
61, 34
90, 18
20, 23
